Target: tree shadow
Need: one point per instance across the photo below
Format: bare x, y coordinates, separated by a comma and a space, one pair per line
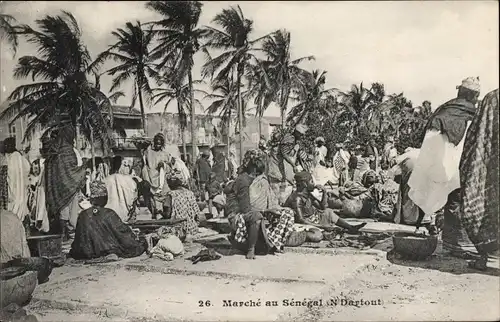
444, 262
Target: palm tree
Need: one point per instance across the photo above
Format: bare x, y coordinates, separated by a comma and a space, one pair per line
178, 38
358, 104
283, 71
224, 100
182, 95
60, 93
8, 31
132, 54
260, 88
238, 52
312, 97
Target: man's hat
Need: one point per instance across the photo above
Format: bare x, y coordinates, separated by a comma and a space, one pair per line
471, 83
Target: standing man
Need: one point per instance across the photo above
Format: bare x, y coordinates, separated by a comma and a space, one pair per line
157, 165
340, 165
290, 151
372, 153
390, 153
203, 170
18, 169
435, 180
321, 151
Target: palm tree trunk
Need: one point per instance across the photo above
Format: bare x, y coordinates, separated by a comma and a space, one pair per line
240, 109
143, 114
284, 107
228, 127
193, 115
184, 148
92, 151
182, 129
260, 126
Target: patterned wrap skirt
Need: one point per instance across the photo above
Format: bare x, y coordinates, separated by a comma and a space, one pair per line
276, 232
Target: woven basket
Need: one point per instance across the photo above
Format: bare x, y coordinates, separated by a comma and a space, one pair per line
296, 238
314, 235
413, 246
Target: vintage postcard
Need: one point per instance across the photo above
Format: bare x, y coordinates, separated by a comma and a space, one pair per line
249, 161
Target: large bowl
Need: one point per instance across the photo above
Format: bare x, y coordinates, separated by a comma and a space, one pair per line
414, 246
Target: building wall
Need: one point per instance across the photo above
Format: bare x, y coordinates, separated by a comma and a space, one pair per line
168, 124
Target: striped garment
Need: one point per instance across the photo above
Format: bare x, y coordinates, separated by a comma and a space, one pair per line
339, 163
4, 188
479, 176
277, 232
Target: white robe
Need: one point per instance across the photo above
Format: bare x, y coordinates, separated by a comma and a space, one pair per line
40, 205
344, 156
436, 172
122, 194
17, 180
183, 169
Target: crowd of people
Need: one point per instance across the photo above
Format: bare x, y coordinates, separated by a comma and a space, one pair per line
274, 192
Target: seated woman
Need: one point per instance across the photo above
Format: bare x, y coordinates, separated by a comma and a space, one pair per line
100, 231
180, 203
311, 211
255, 200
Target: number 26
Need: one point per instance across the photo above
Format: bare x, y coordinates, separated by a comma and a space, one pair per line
204, 303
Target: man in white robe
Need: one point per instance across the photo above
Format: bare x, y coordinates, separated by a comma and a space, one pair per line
435, 180
18, 169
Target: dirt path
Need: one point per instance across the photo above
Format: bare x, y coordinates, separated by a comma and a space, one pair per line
143, 289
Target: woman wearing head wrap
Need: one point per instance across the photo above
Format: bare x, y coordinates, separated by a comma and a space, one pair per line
256, 200
311, 211
479, 180
100, 231
180, 203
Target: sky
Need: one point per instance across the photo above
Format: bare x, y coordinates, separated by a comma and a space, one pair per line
421, 48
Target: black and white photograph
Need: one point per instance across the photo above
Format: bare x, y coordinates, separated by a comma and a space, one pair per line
249, 161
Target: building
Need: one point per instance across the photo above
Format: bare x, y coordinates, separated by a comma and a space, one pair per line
128, 128
210, 131
15, 130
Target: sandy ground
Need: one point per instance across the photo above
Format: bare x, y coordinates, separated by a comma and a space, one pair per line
144, 289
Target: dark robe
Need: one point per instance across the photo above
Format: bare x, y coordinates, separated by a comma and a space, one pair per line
64, 178
101, 232
203, 170
451, 119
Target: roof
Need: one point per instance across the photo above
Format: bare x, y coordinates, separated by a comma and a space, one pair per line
126, 110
